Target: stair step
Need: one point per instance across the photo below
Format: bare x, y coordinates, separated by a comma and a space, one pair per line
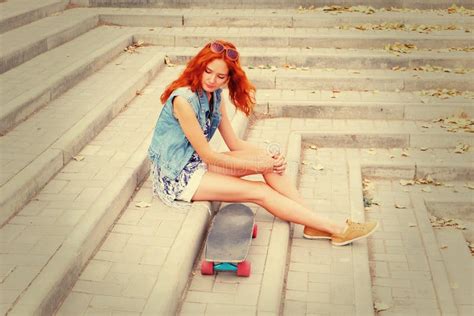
245, 4
342, 79
302, 37
459, 265
38, 147
337, 58
152, 254
42, 79
23, 43
83, 199
292, 18
21, 12
358, 105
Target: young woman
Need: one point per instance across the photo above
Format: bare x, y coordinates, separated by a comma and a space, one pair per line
185, 168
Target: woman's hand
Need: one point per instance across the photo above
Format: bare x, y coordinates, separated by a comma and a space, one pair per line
279, 163
275, 164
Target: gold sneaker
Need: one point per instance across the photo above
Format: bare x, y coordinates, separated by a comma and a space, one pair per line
313, 233
353, 232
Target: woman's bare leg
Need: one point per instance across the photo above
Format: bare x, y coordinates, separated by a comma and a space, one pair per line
281, 183
227, 188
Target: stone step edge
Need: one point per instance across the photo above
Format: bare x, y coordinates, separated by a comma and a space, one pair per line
412, 170
439, 274
360, 110
266, 4
43, 44
287, 35
165, 297
362, 284
326, 57
21, 107
51, 286
28, 182
311, 81
383, 138
139, 17
31, 15
458, 263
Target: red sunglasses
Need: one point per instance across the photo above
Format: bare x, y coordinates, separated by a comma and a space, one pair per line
218, 48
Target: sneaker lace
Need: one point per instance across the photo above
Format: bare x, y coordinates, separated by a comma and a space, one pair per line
355, 225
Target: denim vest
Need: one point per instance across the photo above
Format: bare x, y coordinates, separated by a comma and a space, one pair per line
169, 147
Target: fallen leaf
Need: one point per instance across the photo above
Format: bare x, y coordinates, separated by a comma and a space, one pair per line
380, 306
318, 167
443, 247
78, 158
400, 206
424, 148
412, 225
469, 186
313, 147
407, 182
142, 204
461, 148
427, 189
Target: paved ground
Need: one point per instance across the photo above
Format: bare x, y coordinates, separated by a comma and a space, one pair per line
368, 130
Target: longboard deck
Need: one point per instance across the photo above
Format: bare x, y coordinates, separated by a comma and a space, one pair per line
230, 234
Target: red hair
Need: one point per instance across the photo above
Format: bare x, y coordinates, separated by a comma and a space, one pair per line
241, 90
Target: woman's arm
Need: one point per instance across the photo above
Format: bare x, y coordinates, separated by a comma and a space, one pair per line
227, 132
184, 112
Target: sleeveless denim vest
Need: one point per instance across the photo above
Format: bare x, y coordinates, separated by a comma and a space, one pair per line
169, 147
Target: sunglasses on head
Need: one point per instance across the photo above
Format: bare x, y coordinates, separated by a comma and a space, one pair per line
218, 48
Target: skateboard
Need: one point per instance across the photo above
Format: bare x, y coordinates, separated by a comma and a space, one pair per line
228, 241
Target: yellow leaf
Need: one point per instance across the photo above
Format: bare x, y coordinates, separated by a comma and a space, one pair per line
400, 206
424, 148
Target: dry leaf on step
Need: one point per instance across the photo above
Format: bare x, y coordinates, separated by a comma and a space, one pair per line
399, 206
381, 306
407, 182
318, 167
78, 158
142, 204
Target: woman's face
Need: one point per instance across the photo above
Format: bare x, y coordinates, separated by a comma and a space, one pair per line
215, 75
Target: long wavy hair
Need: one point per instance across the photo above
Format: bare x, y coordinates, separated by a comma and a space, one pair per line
241, 90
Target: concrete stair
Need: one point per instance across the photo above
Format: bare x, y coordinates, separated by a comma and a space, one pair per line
84, 235
35, 83
236, 4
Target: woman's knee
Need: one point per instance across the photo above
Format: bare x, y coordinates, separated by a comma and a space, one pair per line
261, 192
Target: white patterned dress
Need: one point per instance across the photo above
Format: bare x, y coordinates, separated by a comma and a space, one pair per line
170, 190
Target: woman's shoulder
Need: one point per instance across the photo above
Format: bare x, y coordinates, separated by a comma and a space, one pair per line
185, 92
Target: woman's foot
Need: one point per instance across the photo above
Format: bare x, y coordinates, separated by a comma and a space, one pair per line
353, 232
313, 233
